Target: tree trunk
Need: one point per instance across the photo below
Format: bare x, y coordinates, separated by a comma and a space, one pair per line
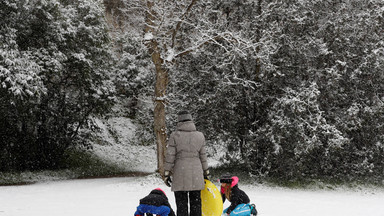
160, 90
159, 111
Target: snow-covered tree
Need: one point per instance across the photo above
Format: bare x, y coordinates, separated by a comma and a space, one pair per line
300, 135
300, 47
327, 43
172, 30
54, 60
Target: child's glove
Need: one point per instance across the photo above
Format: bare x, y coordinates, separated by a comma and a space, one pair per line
167, 179
206, 174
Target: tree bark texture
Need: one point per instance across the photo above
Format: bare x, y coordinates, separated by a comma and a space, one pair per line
160, 90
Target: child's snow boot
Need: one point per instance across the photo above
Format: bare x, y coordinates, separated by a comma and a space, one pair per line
253, 210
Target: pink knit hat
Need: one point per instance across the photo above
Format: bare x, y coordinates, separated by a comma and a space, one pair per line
234, 181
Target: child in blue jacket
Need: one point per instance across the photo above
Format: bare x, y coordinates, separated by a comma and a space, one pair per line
156, 203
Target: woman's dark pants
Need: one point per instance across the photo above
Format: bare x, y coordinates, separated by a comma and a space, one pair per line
182, 203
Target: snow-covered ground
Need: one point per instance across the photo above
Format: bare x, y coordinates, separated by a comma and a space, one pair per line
120, 196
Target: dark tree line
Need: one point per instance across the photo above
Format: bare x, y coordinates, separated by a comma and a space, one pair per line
308, 103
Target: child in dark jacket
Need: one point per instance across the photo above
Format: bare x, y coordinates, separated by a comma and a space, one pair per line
239, 199
155, 203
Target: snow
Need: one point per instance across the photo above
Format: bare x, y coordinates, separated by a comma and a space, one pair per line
120, 196
148, 36
170, 55
119, 148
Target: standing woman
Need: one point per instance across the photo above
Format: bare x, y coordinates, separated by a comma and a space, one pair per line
186, 161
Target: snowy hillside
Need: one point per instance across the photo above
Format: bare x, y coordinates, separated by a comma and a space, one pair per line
118, 146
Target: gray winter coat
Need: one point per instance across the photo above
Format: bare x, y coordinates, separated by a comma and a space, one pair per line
186, 158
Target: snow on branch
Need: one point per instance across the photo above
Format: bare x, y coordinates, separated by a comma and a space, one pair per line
181, 21
226, 36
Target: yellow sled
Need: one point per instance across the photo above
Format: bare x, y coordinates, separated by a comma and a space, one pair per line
211, 201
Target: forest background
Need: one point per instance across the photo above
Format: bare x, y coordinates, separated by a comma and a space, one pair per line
291, 90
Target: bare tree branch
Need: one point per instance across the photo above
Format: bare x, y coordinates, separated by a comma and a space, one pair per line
178, 26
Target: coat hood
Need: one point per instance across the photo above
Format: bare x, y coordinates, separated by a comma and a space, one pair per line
186, 126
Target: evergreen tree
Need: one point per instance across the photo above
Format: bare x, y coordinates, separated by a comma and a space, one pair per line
53, 75
327, 43
321, 56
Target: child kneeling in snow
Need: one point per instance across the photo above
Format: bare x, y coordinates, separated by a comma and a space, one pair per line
155, 203
239, 200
